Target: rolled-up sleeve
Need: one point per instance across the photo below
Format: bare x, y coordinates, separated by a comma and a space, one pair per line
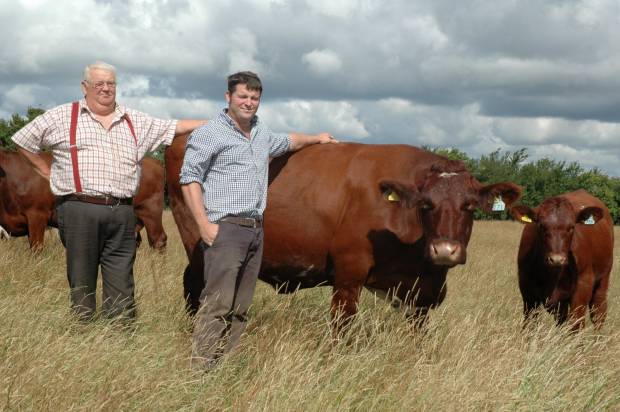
280, 143
32, 136
153, 131
198, 156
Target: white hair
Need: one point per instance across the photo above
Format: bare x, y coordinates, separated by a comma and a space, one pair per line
98, 65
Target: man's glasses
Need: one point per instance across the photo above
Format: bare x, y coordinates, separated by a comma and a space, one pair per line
101, 85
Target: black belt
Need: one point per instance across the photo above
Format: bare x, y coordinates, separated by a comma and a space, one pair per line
98, 200
243, 221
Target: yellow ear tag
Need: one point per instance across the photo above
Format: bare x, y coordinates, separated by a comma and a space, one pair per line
526, 219
393, 197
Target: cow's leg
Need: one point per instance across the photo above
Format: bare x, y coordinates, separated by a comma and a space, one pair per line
4, 235
560, 312
581, 300
344, 304
37, 222
418, 315
350, 273
139, 226
530, 312
193, 279
428, 293
531, 299
598, 303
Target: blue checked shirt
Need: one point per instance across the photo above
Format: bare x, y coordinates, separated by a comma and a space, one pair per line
232, 170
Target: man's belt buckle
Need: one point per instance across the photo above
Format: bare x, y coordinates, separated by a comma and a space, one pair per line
110, 201
243, 221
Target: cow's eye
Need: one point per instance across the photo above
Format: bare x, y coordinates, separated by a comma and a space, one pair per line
469, 207
427, 206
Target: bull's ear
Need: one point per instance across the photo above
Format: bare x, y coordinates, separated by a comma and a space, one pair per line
590, 215
524, 214
507, 192
402, 193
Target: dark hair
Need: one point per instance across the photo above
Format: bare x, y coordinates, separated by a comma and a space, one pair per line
251, 81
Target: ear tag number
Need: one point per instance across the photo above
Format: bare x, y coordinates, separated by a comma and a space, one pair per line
589, 221
393, 197
526, 219
498, 205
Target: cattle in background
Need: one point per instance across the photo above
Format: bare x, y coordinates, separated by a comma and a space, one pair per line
391, 218
565, 257
27, 203
149, 204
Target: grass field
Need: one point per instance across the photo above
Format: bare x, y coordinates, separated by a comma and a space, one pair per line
473, 357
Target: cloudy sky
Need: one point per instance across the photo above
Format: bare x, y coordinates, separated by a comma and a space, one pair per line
473, 75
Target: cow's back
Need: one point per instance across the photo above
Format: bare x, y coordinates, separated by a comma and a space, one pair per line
325, 201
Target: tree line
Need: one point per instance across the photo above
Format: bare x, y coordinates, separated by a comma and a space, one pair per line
540, 179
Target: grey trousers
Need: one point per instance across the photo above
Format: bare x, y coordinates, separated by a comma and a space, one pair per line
93, 236
231, 268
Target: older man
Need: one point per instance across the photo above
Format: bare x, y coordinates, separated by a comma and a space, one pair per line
97, 146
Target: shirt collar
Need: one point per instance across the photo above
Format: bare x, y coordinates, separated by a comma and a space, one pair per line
120, 111
224, 116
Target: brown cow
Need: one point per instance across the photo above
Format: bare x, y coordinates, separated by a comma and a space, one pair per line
27, 203
392, 218
565, 257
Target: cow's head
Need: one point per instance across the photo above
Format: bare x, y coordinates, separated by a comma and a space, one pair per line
446, 200
556, 220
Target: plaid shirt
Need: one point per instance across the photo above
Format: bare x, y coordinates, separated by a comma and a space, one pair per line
108, 160
232, 169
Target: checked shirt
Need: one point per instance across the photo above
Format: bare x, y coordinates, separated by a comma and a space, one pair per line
109, 160
232, 170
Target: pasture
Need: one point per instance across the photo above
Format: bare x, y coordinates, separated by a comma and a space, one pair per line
474, 355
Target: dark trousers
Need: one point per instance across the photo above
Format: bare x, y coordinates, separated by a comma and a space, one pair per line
231, 268
95, 235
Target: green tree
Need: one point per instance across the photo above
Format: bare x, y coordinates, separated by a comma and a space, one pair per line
8, 128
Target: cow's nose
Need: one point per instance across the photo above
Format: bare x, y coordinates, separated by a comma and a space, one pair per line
446, 253
556, 259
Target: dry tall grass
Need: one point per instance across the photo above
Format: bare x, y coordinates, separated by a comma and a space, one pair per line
474, 355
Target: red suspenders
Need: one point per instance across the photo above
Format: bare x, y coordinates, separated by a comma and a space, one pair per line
75, 111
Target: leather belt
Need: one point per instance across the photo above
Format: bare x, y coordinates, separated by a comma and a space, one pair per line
243, 221
98, 200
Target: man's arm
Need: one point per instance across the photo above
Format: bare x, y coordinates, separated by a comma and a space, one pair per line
300, 140
187, 126
38, 163
192, 194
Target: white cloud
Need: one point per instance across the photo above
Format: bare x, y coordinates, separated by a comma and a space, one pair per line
473, 75
342, 8
243, 50
23, 95
133, 85
31, 4
338, 118
322, 62
172, 108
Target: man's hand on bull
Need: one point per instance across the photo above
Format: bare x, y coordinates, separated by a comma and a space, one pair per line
326, 138
208, 232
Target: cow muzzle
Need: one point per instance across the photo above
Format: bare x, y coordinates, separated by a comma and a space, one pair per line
446, 253
556, 259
